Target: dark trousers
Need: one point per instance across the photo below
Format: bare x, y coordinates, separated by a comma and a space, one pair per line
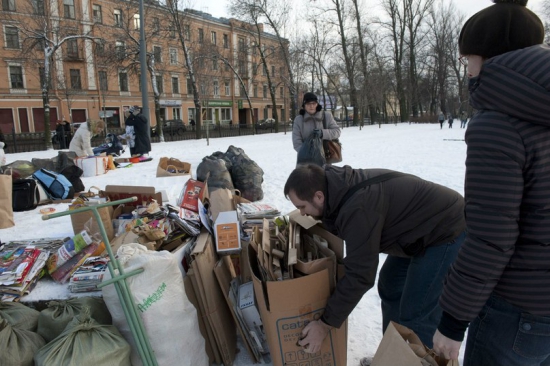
410, 288
505, 335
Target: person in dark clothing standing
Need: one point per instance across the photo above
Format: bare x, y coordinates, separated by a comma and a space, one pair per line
451, 119
499, 286
142, 143
419, 224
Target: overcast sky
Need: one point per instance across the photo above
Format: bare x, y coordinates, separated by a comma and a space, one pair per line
218, 8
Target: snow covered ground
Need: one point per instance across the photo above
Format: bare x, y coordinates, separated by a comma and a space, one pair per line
424, 150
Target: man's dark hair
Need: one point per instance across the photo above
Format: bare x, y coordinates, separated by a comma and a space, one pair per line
305, 180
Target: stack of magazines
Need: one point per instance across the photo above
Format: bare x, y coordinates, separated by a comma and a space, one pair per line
88, 275
252, 214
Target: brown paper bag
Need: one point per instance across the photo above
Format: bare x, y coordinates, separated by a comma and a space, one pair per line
401, 346
80, 221
6, 203
171, 167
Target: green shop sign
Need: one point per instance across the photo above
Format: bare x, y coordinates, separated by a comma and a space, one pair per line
219, 103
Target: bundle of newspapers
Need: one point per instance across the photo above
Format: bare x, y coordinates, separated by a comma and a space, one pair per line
252, 214
88, 275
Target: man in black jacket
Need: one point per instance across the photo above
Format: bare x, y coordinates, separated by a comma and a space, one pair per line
142, 142
419, 224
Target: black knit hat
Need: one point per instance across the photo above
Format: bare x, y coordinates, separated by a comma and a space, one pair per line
503, 27
309, 97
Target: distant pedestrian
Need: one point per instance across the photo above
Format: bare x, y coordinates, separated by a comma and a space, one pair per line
192, 123
441, 119
463, 119
450, 118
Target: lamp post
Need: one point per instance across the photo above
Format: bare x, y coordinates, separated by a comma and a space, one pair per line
143, 62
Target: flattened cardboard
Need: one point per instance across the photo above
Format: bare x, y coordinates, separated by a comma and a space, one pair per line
215, 307
144, 195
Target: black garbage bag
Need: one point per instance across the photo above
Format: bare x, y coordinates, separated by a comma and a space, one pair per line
246, 174
311, 151
219, 176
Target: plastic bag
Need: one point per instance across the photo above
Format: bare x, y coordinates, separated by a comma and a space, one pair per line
312, 151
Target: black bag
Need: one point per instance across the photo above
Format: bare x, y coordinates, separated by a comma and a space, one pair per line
311, 151
25, 194
73, 174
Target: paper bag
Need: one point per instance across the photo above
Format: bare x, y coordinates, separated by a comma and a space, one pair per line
80, 221
401, 346
171, 167
6, 205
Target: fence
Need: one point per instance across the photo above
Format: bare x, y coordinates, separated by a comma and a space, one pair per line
34, 141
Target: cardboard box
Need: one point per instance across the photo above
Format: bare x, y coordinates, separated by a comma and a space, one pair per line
212, 302
144, 195
227, 232
194, 190
171, 167
92, 166
287, 306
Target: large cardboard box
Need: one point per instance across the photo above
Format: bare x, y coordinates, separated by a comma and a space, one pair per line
287, 306
93, 165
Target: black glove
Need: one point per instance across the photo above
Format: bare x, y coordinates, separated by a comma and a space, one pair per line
318, 133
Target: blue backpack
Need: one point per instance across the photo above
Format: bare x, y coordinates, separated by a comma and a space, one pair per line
57, 186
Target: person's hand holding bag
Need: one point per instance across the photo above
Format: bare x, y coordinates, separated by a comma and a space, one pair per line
313, 336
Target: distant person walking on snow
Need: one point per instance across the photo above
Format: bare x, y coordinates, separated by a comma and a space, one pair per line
441, 119
463, 119
450, 118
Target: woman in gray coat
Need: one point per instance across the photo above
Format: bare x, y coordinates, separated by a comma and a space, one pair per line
310, 118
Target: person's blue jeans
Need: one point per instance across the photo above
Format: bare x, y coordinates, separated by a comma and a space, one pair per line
410, 288
504, 335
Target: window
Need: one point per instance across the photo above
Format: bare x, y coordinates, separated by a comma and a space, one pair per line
123, 81
156, 26
176, 112
75, 79
103, 81
187, 32
16, 77
213, 36
255, 91
265, 113
242, 47
264, 91
189, 86
8, 5
96, 12
203, 88
68, 9
172, 32
12, 37
118, 17
216, 87
242, 90
214, 63
191, 113
99, 47
175, 85
40, 43
242, 67
173, 56
272, 71
254, 49
120, 50
201, 35
254, 69
226, 63
264, 70
157, 54
136, 21
226, 114
225, 41
160, 86
227, 88
281, 92
72, 48
38, 6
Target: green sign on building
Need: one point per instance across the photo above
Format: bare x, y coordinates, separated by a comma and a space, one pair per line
240, 104
219, 103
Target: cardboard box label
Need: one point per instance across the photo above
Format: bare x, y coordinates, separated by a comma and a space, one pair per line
288, 333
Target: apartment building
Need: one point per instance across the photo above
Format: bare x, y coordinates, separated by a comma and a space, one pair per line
94, 70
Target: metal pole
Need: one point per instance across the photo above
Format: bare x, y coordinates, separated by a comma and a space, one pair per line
143, 62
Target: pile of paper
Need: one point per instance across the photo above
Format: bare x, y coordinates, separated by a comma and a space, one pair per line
88, 275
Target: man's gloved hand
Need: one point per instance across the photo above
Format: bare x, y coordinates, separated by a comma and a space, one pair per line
313, 335
318, 133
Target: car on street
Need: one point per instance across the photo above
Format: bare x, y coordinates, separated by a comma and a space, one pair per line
266, 124
171, 127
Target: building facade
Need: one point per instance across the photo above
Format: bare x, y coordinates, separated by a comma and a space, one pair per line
94, 70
